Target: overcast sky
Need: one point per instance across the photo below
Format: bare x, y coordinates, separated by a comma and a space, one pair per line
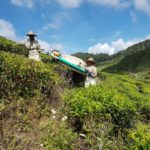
94, 26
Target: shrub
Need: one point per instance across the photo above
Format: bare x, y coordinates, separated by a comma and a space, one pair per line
23, 77
13, 47
27, 91
140, 137
46, 58
56, 135
101, 103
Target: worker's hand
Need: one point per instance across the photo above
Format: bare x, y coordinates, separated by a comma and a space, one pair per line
91, 74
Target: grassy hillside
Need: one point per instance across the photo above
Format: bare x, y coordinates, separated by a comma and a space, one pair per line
27, 92
136, 62
38, 110
114, 114
98, 57
13, 47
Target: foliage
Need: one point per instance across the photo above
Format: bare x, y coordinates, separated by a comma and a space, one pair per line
56, 135
22, 77
46, 58
140, 137
13, 47
120, 102
112, 115
97, 57
100, 102
132, 62
27, 91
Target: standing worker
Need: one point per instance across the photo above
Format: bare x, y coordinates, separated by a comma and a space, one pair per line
91, 72
33, 46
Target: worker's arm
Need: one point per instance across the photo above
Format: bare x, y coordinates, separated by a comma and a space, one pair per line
92, 73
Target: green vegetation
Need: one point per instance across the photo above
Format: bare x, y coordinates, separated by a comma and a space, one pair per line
120, 102
137, 62
13, 47
98, 57
28, 90
35, 100
22, 77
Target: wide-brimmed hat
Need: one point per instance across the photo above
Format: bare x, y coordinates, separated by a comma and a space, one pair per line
91, 60
31, 33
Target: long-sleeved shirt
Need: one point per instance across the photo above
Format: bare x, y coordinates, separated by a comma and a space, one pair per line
33, 45
34, 49
91, 76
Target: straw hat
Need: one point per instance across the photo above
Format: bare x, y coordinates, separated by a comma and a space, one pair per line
31, 33
90, 60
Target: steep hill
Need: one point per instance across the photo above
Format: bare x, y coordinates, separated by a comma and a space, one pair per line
97, 57
13, 47
134, 62
38, 111
137, 47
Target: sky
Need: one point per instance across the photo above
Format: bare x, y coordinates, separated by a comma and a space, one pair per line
93, 26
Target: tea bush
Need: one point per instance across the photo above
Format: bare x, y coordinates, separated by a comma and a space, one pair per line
56, 135
100, 102
13, 47
28, 90
140, 137
23, 77
112, 115
119, 102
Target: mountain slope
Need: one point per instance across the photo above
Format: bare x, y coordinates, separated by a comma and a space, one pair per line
37, 113
97, 57
135, 62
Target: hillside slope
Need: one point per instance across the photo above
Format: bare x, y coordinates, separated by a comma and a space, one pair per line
37, 110
28, 90
135, 62
97, 57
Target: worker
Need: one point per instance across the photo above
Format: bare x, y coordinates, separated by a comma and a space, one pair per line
91, 72
33, 46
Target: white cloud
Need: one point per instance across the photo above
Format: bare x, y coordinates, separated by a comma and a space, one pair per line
114, 46
7, 30
48, 47
70, 3
23, 3
111, 3
57, 21
101, 48
147, 37
120, 44
142, 5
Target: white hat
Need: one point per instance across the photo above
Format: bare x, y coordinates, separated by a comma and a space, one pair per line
31, 33
91, 60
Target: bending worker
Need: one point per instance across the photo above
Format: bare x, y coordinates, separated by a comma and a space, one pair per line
33, 46
91, 72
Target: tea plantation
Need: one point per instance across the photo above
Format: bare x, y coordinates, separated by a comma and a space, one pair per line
38, 110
